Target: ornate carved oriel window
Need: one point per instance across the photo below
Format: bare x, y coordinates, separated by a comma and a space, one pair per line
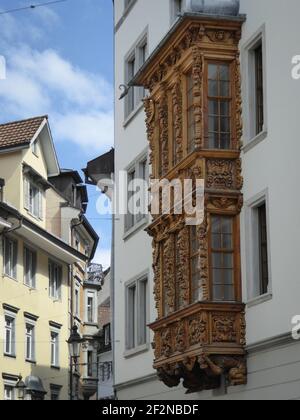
194, 129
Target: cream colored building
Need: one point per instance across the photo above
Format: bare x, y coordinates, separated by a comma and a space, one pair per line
37, 256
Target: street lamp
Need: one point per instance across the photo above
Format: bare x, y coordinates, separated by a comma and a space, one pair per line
74, 344
21, 387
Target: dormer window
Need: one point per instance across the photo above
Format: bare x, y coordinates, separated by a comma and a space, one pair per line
34, 148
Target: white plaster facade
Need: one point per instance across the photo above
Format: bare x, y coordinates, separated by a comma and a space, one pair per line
270, 169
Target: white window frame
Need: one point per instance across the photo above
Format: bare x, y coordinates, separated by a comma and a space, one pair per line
55, 283
252, 258
12, 334
174, 10
132, 223
249, 96
54, 348
138, 345
91, 295
11, 265
12, 387
138, 92
77, 300
55, 390
34, 204
34, 148
31, 282
29, 324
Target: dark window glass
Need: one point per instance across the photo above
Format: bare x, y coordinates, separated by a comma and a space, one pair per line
259, 88
263, 249
222, 258
219, 106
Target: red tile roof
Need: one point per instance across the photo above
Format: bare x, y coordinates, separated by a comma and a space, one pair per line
18, 133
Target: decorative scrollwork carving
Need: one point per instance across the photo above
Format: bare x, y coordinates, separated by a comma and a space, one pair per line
224, 328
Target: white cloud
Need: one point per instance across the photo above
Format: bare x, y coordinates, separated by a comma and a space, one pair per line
92, 130
78, 102
103, 256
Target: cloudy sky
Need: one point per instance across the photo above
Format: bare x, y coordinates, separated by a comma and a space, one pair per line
60, 63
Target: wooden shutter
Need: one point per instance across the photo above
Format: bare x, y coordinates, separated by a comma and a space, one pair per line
26, 193
15, 259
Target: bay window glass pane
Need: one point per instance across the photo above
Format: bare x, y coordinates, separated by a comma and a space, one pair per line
219, 106
222, 258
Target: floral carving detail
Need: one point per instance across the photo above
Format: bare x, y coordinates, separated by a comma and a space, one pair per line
157, 270
180, 338
220, 174
198, 330
182, 274
166, 347
177, 113
224, 329
169, 274
197, 79
150, 123
163, 133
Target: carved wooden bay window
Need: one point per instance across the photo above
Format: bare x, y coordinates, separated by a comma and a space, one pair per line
194, 129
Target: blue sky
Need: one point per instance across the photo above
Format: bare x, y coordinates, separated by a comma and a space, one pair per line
60, 62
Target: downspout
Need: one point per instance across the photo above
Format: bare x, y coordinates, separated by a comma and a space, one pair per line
71, 280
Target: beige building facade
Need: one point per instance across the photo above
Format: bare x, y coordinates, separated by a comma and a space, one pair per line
38, 259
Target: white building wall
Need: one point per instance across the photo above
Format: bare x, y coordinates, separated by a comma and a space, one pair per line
271, 165
134, 255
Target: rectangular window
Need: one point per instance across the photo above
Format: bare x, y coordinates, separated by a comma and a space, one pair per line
134, 61
222, 258
77, 302
34, 148
258, 265
131, 317
196, 289
55, 280
30, 260
259, 88
30, 342
9, 393
263, 249
136, 314
33, 198
10, 257
54, 337
131, 99
55, 392
219, 106
176, 9
190, 113
137, 184
90, 308
10, 336
107, 337
90, 364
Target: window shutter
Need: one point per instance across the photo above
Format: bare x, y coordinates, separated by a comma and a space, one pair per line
59, 282
26, 193
15, 259
33, 273
50, 279
26, 267
6, 255
41, 195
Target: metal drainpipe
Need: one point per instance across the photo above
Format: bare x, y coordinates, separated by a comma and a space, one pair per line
71, 279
